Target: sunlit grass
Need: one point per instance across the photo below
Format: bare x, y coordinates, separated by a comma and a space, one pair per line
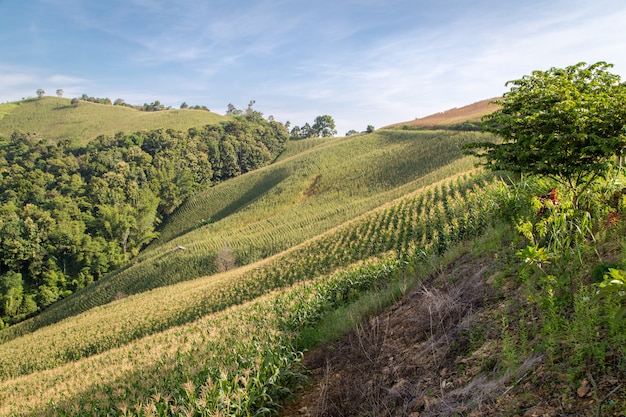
54, 118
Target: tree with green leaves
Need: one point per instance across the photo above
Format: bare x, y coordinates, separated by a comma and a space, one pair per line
41, 92
324, 126
566, 124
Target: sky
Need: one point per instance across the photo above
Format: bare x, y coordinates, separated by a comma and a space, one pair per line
366, 62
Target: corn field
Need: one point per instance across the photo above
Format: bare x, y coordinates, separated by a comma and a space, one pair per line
225, 344
267, 211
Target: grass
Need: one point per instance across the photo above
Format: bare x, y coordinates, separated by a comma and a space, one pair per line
55, 119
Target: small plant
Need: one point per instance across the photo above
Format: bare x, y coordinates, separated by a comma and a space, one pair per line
614, 285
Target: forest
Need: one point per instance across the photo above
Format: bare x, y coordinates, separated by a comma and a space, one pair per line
70, 213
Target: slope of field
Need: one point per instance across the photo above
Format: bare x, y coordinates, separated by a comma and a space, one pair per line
55, 118
272, 209
203, 356
472, 112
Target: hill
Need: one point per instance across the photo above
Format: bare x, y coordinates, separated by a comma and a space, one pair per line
470, 113
55, 118
408, 281
272, 209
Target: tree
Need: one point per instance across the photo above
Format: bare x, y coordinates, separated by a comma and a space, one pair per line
75, 102
184, 105
567, 124
60, 92
225, 260
370, 129
40, 92
231, 110
324, 126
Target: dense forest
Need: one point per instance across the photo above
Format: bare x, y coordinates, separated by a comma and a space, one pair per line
71, 213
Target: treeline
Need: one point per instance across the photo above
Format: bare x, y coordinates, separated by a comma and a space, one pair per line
69, 214
154, 106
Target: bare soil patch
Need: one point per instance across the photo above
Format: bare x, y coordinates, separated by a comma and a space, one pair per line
472, 112
407, 360
439, 352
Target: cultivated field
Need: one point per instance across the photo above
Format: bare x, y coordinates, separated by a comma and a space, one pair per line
472, 112
54, 118
272, 209
231, 342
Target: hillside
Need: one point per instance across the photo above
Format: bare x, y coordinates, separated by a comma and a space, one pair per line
378, 274
272, 209
470, 113
55, 118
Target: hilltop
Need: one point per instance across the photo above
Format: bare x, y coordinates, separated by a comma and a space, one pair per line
470, 113
55, 118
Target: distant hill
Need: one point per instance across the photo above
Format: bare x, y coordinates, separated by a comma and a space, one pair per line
471, 112
55, 118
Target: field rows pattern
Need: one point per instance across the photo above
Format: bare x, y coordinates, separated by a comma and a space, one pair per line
267, 211
242, 360
418, 226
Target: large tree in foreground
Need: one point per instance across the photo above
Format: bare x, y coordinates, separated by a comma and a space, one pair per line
567, 124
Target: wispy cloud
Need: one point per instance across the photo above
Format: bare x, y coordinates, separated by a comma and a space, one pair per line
362, 61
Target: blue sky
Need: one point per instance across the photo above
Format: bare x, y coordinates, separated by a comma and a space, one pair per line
362, 62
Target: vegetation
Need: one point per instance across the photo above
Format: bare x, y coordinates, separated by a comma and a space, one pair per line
272, 209
323, 126
57, 119
71, 214
258, 341
334, 228
566, 124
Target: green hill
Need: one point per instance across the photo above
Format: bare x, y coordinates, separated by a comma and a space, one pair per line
499, 311
269, 210
55, 118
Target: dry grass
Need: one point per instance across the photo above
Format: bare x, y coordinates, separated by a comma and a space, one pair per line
404, 360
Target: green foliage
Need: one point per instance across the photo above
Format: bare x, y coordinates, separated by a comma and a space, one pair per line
71, 214
580, 320
323, 126
567, 124
614, 286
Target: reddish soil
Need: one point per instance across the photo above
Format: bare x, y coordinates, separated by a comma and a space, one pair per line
453, 116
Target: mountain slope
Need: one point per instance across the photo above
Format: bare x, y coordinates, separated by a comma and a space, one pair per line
269, 210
